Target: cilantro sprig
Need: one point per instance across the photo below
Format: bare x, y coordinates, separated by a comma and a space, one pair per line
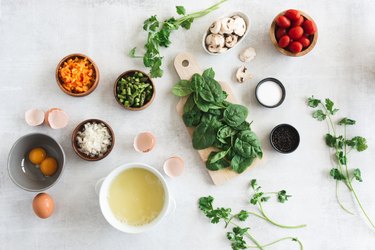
341, 146
238, 235
159, 36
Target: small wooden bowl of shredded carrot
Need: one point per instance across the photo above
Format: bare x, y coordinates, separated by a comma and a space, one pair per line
77, 75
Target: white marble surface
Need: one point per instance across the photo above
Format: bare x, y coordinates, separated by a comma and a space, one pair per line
35, 35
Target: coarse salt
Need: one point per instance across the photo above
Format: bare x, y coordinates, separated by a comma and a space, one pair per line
94, 140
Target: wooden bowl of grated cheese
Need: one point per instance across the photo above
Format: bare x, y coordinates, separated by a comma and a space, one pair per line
77, 75
93, 139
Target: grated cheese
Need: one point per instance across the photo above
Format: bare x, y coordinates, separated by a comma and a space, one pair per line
94, 140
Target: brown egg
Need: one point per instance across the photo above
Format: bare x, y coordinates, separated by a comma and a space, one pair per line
43, 205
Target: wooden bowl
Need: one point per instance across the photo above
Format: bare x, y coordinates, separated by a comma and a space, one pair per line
75, 144
287, 52
60, 82
128, 73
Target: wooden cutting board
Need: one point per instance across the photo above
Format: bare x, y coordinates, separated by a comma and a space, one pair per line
186, 65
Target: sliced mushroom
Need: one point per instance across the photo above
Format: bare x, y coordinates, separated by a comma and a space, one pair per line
247, 55
227, 25
215, 39
243, 74
239, 25
215, 27
231, 40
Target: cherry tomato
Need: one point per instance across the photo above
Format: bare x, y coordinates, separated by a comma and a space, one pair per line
295, 32
298, 22
309, 27
295, 47
284, 41
292, 14
280, 32
304, 41
283, 22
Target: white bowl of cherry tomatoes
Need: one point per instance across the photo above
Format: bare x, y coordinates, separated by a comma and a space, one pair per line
294, 33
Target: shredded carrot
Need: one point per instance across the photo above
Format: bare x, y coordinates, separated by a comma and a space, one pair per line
78, 75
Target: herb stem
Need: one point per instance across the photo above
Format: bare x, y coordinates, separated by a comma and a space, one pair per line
338, 200
200, 13
361, 207
248, 234
275, 223
330, 123
282, 239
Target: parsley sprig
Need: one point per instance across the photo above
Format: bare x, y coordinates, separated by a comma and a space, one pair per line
237, 235
341, 146
159, 35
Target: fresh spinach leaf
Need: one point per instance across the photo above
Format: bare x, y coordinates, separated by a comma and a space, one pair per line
235, 114
239, 164
220, 164
203, 136
209, 73
182, 88
247, 145
211, 91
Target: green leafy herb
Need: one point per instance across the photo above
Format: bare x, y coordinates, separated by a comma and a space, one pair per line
180, 10
159, 35
218, 123
282, 196
341, 146
238, 235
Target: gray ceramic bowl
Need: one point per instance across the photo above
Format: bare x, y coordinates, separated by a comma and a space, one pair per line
27, 175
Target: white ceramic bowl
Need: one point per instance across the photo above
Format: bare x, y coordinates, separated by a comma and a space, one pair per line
207, 32
107, 212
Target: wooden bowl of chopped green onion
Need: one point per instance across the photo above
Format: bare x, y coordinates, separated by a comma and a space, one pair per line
93, 140
134, 90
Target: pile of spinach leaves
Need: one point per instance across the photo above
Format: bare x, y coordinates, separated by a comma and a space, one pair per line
218, 123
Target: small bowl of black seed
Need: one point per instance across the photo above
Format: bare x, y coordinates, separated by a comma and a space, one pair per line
284, 138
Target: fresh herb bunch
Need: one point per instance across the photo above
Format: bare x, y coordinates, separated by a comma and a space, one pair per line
341, 146
236, 236
159, 36
218, 123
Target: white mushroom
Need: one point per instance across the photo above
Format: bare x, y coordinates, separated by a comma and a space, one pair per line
239, 25
243, 74
227, 25
247, 55
215, 43
215, 39
231, 40
215, 27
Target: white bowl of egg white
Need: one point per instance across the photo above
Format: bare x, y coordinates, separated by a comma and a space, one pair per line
225, 33
270, 92
134, 198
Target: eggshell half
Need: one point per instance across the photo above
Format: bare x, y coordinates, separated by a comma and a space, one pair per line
144, 142
174, 166
34, 117
56, 118
43, 205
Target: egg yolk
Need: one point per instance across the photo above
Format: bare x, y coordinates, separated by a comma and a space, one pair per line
37, 155
48, 166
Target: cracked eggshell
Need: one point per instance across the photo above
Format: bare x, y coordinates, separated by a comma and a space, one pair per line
56, 118
248, 54
243, 74
34, 117
216, 51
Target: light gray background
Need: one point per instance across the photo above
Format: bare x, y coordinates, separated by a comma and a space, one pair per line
35, 35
